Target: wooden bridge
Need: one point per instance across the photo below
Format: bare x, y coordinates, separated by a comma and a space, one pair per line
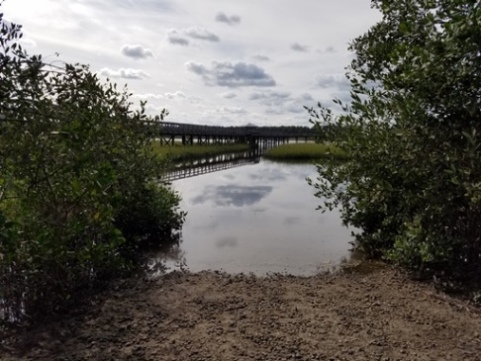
190, 134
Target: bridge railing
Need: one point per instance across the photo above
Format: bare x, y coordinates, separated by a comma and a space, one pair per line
170, 128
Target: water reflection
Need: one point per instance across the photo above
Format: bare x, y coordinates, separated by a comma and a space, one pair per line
292, 220
196, 167
236, 195
270, 175
258, 218
172, 257
227, 242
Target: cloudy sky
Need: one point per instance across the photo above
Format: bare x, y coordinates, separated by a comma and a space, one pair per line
208, 62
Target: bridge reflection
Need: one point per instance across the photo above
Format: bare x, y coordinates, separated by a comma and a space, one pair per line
212, 164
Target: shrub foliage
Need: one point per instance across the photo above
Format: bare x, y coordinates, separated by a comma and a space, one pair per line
412, 184
80, 196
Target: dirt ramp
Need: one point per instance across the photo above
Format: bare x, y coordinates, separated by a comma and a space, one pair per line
211, 316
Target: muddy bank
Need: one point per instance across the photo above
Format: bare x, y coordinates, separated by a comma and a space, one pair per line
210, 316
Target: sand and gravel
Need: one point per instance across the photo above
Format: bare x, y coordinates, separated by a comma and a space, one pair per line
379, 315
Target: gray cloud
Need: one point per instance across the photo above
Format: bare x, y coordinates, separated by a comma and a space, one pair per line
328, 50
196, 68
345, 96
270, 97
228, 95
282, 102
232, 75
145, 5
125, 73
231, 110
136, 51
296, 108
180, 36
275, 111
305, 97
337, 81
299, 47
174, 37
201, 34
261, 58
229, 20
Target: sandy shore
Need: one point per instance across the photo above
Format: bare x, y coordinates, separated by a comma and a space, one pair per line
211, 316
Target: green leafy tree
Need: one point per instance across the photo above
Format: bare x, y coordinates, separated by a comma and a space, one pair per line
412, 131
80, 190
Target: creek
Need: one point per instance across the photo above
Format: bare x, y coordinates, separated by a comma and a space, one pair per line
257, 218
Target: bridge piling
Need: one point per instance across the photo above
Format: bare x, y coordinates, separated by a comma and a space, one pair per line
202, 134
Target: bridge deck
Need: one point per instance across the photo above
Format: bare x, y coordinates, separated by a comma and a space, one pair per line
180, 129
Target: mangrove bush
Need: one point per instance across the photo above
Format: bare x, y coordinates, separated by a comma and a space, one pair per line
80, 197
412, 182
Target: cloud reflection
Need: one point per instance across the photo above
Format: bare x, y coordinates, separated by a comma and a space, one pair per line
226, 242
289, 221
238, 196
270, 175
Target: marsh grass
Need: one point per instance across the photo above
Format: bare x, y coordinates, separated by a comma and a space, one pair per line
305, 152
179, 152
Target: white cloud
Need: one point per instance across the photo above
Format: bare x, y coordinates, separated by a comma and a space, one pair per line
148, 96
29, 42
125, 73
176, 95
231, 110
232, 49
136, 51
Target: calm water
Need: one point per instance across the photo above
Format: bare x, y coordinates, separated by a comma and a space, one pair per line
258, 218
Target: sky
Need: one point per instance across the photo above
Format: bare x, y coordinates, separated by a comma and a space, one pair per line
215, 62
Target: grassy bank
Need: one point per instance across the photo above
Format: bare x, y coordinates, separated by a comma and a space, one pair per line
185, 152
305, 152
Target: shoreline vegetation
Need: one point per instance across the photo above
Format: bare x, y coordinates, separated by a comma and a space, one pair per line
81, 200
305, 152
179, 152
298, 152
